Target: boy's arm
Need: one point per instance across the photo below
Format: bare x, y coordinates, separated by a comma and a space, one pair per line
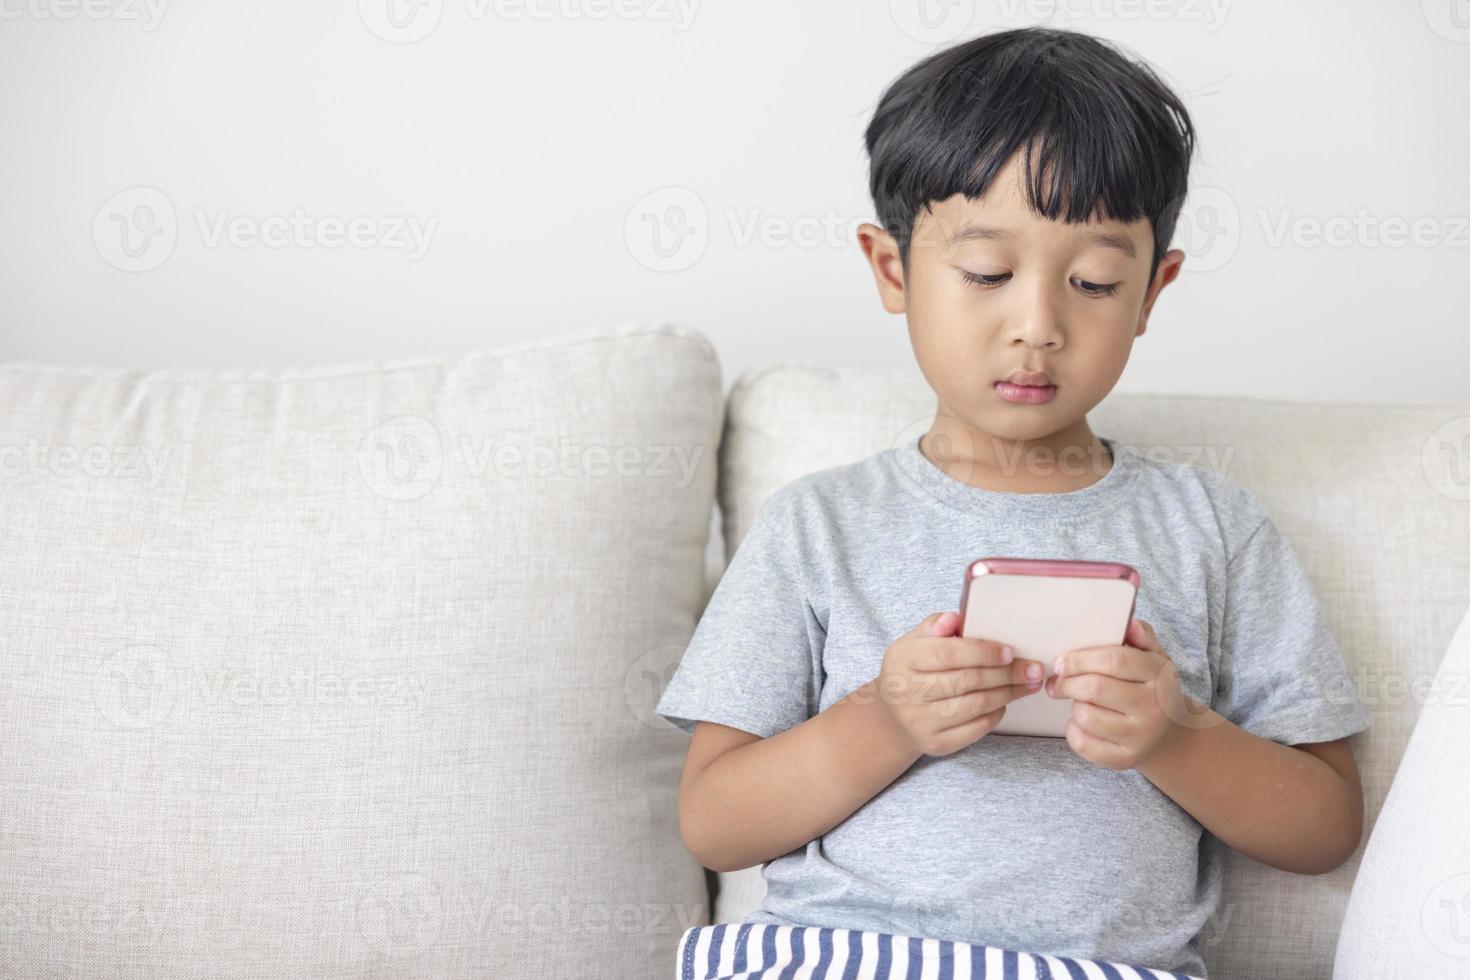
744, 799
1295, 808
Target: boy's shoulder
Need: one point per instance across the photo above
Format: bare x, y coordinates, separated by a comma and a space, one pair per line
829, 491
1199, 482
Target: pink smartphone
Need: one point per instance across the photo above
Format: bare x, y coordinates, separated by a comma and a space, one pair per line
1044, 608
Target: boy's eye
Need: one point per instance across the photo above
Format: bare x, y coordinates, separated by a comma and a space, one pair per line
979, 279
1097, 289
1090, 288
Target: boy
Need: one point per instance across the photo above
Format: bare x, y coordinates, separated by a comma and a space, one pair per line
1028, 182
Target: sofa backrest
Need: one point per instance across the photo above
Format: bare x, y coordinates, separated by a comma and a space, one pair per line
351, 672
1375, 499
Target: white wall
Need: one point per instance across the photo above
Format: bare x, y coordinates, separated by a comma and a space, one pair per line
529, 131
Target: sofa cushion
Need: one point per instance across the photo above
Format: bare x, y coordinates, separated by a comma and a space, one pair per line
351, 672
1371, 497
1409, 914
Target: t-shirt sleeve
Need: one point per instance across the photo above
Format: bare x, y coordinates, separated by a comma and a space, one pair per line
754, 660
1282, 675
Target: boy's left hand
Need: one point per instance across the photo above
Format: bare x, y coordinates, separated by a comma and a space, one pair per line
1125, 698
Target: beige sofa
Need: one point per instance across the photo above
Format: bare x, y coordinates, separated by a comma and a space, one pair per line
351, 672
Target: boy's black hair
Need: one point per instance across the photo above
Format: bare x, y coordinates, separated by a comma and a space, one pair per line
1102, 132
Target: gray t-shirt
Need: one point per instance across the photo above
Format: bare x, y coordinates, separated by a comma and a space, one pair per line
1014, 841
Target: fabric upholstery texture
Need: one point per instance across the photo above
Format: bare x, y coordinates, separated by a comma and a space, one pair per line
350, 672
1409, 915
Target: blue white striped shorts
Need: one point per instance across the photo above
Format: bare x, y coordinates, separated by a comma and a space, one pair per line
747, 951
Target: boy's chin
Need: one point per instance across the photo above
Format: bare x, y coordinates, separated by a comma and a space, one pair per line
987, 426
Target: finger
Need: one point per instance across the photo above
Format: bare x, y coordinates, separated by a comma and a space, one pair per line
1098, 689
949, 653
949, 683
965, 733
1123, 662
1141, 635
1103, 722
961, 708
935, 625
948, 624
1094, 747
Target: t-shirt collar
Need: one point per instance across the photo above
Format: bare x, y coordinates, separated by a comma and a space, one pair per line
923, 477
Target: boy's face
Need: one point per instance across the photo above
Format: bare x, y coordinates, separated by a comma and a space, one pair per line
993, 288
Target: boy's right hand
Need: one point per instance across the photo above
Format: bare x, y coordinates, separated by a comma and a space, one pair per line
941, 691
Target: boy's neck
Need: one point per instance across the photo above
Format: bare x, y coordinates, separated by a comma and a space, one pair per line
1067, 460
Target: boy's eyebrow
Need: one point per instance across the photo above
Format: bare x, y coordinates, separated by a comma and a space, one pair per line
973, 232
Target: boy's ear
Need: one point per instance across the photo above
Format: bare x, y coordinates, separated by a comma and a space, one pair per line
1166, 273
881, 248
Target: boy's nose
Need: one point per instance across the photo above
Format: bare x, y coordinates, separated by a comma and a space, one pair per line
1038, 326
1037, 320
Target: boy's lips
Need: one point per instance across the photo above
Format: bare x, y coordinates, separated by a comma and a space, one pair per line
1031, 378
1027, 388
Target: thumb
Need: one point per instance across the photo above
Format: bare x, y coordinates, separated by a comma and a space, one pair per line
1141, 635
938, 624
